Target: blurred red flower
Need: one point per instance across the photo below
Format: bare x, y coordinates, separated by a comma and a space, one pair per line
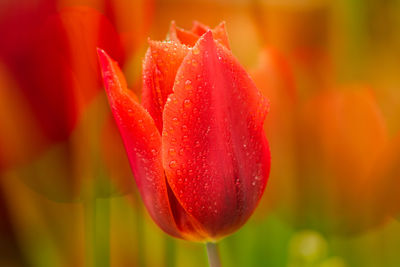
52, 94
51, 62
196, 144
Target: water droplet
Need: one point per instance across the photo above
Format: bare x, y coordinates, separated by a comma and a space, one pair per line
175, 120
172, 152
172, 164
181, 151
188, 85
184, 128
187, 103
178, 172
196, 51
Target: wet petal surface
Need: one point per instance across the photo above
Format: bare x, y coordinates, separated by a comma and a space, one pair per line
143, 145
215, 154
159, 70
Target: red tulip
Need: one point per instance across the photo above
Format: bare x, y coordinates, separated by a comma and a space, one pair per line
196, 145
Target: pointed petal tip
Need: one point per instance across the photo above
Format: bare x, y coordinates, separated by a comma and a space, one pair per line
102, 55
208, 35
222, 24
105, 61
207, 40
99, 50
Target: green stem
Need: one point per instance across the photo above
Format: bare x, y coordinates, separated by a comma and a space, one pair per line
213, 255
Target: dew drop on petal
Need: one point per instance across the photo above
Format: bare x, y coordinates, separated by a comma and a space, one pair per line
196, 51
187, 103
172, 152
172, 164
188, 85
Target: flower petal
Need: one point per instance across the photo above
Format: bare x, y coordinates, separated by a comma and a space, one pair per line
159, 69
219, 32
199, 28
142, 142
191, 37
182, 36
215, 153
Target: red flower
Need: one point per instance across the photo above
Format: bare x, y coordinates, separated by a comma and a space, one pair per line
196, 145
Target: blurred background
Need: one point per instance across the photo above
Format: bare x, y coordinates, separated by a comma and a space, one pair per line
329, 68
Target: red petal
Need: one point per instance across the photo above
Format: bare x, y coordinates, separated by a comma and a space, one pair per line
220, 34
199, 28
215, 153
191, 37
182, 36
142, 143
159, 70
